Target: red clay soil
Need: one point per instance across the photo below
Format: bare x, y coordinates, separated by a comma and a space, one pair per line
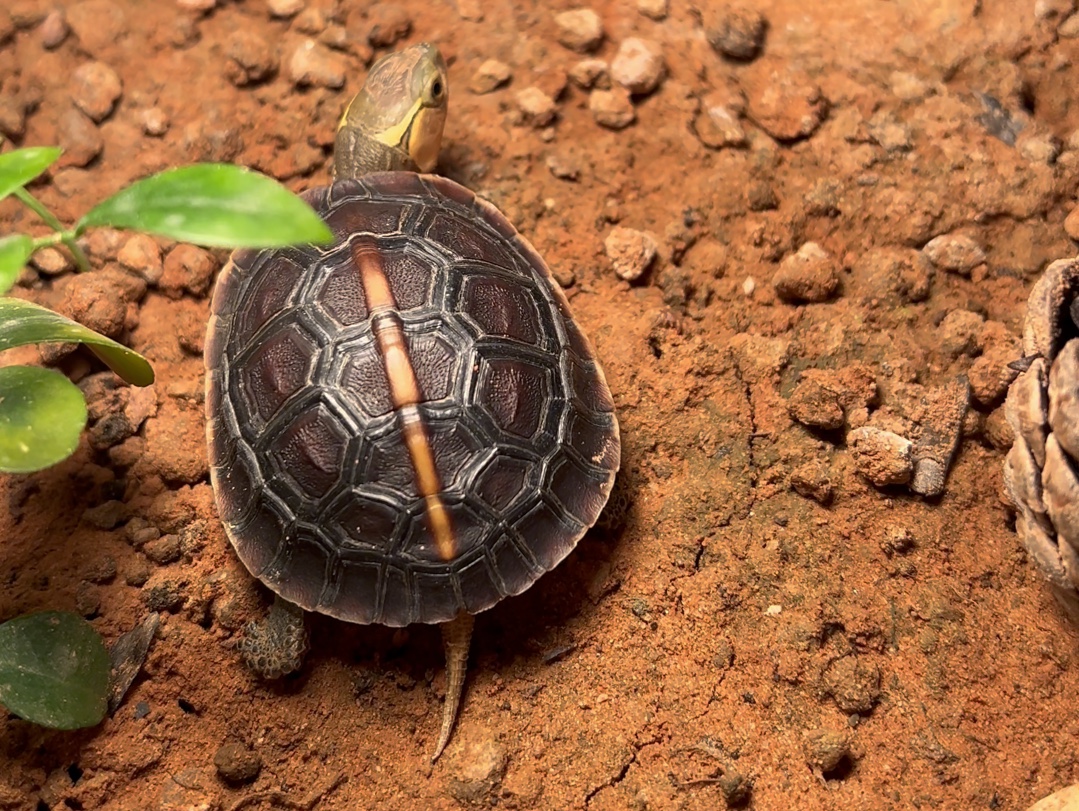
757, 623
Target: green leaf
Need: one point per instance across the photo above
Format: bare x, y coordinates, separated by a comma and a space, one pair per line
20, 166
24, 323
15, 249
42, 415
54, 670
212, 204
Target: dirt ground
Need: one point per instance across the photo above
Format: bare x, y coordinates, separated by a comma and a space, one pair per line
758, 624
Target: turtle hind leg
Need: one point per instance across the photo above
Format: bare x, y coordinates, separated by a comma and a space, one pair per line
276, 645
456, 636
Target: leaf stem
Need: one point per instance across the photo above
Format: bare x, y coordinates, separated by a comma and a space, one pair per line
67, 237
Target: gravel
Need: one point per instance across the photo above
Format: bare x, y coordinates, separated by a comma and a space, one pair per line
251, 58
883, 457
825, 749
536, 107
735, 32
810, 275
612, 108
787, 106
237, 763
631, 252
388, 23
653, 9
956, 253
285, 8
490, 76
189, 269
54, 29
589, 73
638, 66
579, 29
313, 64
79, 137
142, 254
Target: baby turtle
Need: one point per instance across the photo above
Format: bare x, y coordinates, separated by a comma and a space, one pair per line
1043, 410
405, 426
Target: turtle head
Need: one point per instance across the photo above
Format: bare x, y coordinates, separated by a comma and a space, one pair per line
396, 120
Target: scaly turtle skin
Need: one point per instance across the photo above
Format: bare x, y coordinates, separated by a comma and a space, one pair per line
406, 425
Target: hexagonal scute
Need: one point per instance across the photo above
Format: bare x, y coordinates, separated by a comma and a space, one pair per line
363, 377
310, 451
278, 368
516, 393
435, 363
411, 279
454, 450
500, 307
267, 293
341, 295
367, 521
467, 238
504, 482
470, 528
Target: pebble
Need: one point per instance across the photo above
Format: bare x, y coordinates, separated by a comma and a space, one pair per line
490, 76
881, 456
389, 23
187, 268
717, 126
92, 300
237, 763
563, 166
79, 137
812, 480
311, 21
12, 117
537, 108
808, 275
825, 749
631, 252
960, 332
163, 550
1069, 29
853, 684
736, 33
1052, 9
612, 108
54, 29
155, 121
51, 261
579, 29
638, 66
197, 5
106, 516
95, 89
1071, 224
589, 73
1039, 147
312, 64
653, 9
98, 24
477, 771
788, 107
251, 58
190, 790
142, 255
285, 8
172, 449
956, 253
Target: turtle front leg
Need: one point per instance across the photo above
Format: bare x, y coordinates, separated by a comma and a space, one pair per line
275, 646
456, 636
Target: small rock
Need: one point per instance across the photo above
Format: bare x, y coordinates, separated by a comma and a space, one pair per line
142, 255
312, 64
761, 196
477, 771
98, 24
51, 261
960, 333
106, 516
736, 33
853, 684
1071, 223
54, 29
537, 108
808, 275
889, 132
197, 5
956, 253
471, 10
895, 275
735, 787
155, 121
311, 21
163, 550
173, 449
187, 268
812, 481
1039, 147
12, 116
638, 66
825, 749
563, 166
717, 126
284, 9
92, 300
612, 108
653, 9
490, 76
883, 457
631, 252
190, 790
589, 73
138, 573
95, 89
788, 106
165, 596
389, 23
251, 58
1052, 9
87, 600
1069, 29
79, 137
236, 763
579, 29
102, 572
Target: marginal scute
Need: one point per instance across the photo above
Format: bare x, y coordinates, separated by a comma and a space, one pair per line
1027, 410
500, 308
1061, 493
268, 292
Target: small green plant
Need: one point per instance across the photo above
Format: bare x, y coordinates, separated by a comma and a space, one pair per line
53, 666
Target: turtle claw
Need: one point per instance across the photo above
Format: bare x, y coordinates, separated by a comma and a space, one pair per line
276, 645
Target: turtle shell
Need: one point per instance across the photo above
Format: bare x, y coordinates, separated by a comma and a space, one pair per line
406, 424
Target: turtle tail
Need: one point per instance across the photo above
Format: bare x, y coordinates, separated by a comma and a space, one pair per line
456, 636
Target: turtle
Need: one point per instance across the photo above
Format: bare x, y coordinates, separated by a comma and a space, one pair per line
406, 425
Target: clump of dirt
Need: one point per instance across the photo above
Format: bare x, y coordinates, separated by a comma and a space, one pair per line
779, 223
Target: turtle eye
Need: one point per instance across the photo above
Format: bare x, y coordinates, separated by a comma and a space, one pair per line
437, 89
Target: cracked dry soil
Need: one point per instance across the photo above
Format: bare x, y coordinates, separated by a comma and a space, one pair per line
761, 624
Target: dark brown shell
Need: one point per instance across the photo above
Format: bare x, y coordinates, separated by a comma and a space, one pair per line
311, 472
